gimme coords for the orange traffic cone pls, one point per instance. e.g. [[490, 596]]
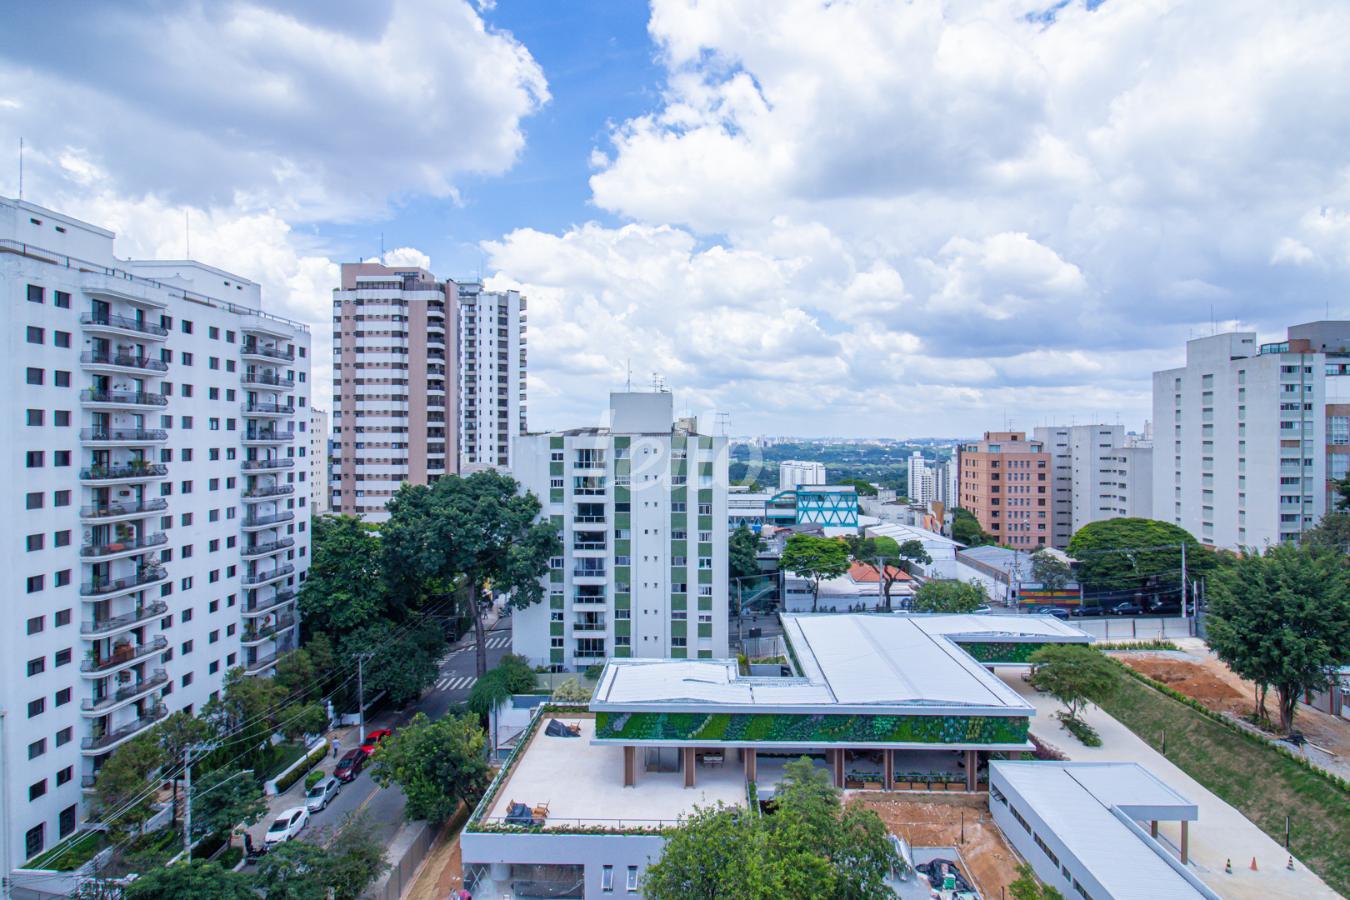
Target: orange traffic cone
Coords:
[[1254, 864], [1228, 866]]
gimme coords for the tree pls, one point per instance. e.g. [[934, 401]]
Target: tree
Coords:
[[222, 798], [812, 846], [1051, 571], [966, 529], [437, 764], [355, 859], [512, 675], [1029, 887], [571, 691], [404, 661], [474, 532], [1136, 555], [292, 871], [741, 553], [122, 782], [299, 870], [936, 596], [887, 559], [1333, 532], [1282, 619], [250, 710], [815, 559], [345, 588], [1074, 674], [864, 488], [198, 879], [177, 733]]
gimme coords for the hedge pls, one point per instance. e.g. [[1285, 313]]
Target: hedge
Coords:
[[811, 729], [313, 758]]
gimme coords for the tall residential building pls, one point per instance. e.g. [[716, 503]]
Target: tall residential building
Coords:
[[1248, 438], [794, 473], [642, 509], [492, 379], [922, 477], [1005, 484], [159, 530], [318, 461], [1128, 471]]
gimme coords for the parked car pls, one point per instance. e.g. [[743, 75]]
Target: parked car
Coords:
[[350, 765], [1057, 612], [287, 826], [1127, 608], [322, 794], [374, 739]]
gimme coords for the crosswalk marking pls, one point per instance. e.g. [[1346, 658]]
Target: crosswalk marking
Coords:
[[456, 683], [495, 642]]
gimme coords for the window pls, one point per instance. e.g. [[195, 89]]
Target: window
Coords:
[[63, 696], [61, 498], [35, 293], [35, 542], [62, 300], [37, 707], [36, 335], [37, 666], [66, 821], [63, 578], [607, 879], [34, 418], [35, 624], [632, 879], [37, 748], [62, 658], [36, 583], [61, 339], [37, 789], [60, 378], [62, 615], [34, 375], [34, 841], [61, 458]]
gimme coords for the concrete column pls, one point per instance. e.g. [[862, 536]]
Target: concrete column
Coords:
[[972, 764], [837, 761], [629, 766], [1153, 828], [688, 754], [749, 756], [1185, 842], [888, 769]]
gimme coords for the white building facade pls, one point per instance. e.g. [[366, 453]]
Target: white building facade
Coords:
[[642, 510], [492, 382], [794, 473], [1240, 456], [160, 523], [318, 461]]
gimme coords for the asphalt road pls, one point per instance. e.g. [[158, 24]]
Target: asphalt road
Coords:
[[383, 808]]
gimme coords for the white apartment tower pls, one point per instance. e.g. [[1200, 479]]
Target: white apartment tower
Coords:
[[1247, 438], [492, 374], [642, 509], [159, 520], [794, 473], [318, 461], [922, 479]]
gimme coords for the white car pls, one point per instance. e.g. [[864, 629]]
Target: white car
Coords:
[[322, 794], [287, 826]]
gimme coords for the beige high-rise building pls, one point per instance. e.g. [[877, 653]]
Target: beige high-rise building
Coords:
[[318, 461], [1005, 482]]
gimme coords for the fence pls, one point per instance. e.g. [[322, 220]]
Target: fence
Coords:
[[404, 869], [1131, 628]]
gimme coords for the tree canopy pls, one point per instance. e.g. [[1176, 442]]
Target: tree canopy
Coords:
[[345, 588], [815, 559], [887, 558], [741, 553], [1136, 555], [1333, 532], [948, 597], [123, 779], [1282, 619], [198, 879], [864, 488], [1074, 675], [437, 764], [224, 797], [1029, 887], [300, 870], [966, 529], [811, 846], [1051, 571]]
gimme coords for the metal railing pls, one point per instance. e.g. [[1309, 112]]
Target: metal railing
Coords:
[[119, 435], [259, 521], [153, 540], [276, 490], [138, 398], [267, 380], [260, 577], [126, 692], [130, 470], [109, 320], [120, 659], [269, 435], [281, 598], [258, 407], [267, 547], [251, 465], [126, 360], [250, 636], [269, 352], [261, 662], [149, 611], [98, 588], [129, 508], [153, 715]]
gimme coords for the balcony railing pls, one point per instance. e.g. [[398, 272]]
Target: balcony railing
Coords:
[[153, 714], [267, 434], [260, 577], [276, 490], [263, 408], [267, 380], [128, 508], [260, 663], [267, 547], [251, 636], [252, 465], [125, 360], [260, 521], [126, 692], [130, 470], [97, 588], [120, 657], [269, 352], [588, 573], [111, 547], [123, 435], [130, 398], [110, 321], [282, 597], [145, 613]]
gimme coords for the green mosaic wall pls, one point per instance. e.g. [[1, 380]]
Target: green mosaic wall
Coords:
[[999, 652], [811, 730]]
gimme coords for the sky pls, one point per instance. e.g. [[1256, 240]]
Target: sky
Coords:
[[849, 218]]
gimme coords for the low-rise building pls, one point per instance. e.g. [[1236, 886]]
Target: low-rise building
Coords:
[[832, 506], [857, 590]]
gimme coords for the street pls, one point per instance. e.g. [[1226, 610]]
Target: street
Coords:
[[384, 808]]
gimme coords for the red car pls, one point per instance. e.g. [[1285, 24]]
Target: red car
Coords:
[[349, 766], [374, 739]]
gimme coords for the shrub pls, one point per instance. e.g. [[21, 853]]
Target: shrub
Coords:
[[571, 691], [1080, 729], [313, 758], [314, 777]]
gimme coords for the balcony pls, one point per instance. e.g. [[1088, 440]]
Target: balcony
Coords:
[[118, 549], [267, 381], [250, 636], [589, 622], [588, 573], [103, 627], [258, 351], [124, 655], [588, 520], [121, 362], [97, 397], [267, 465], [259, 408], [125, 510], [100, 705], [261, 664], [252, 551], [268, 436], [257, 495], [260, 578], [122, 325], [123, 436], [102, 588], [99, 744], [267, 521], [280, 599], [132, 471]]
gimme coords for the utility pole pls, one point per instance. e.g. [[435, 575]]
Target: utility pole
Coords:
[[361, 694], [1183, 579], [187, 801]]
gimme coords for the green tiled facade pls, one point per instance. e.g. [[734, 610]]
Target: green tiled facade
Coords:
[[994, 652], [814, 730]]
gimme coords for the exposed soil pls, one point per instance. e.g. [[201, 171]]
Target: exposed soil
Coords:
[[1192, 679], [935, 821], [442, 872]]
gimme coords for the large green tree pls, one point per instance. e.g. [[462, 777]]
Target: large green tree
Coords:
[[812, 846], [1282, 618], [1029, 887], [741, 553], [511, 675], [403, 662], [223, 798], [480, 534], [196, 879], [942, 596], [1142, 555], [966, 529], [1333, 532], [120, 790], [1074, 675], [1051, 571], [815, 559], [250, 710], [345, 588], [887, 558], [437, 764], [300, 870], [177, 733]]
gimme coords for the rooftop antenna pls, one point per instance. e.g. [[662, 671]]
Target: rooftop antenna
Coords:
[[723, 423], [628, 387]]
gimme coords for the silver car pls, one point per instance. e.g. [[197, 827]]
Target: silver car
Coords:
[[322, 793]]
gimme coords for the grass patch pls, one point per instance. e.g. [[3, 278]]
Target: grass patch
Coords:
[[1254, 777], [274, 760], [71, 853]]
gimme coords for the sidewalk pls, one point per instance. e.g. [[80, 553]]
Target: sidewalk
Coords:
[[1221, 833]]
